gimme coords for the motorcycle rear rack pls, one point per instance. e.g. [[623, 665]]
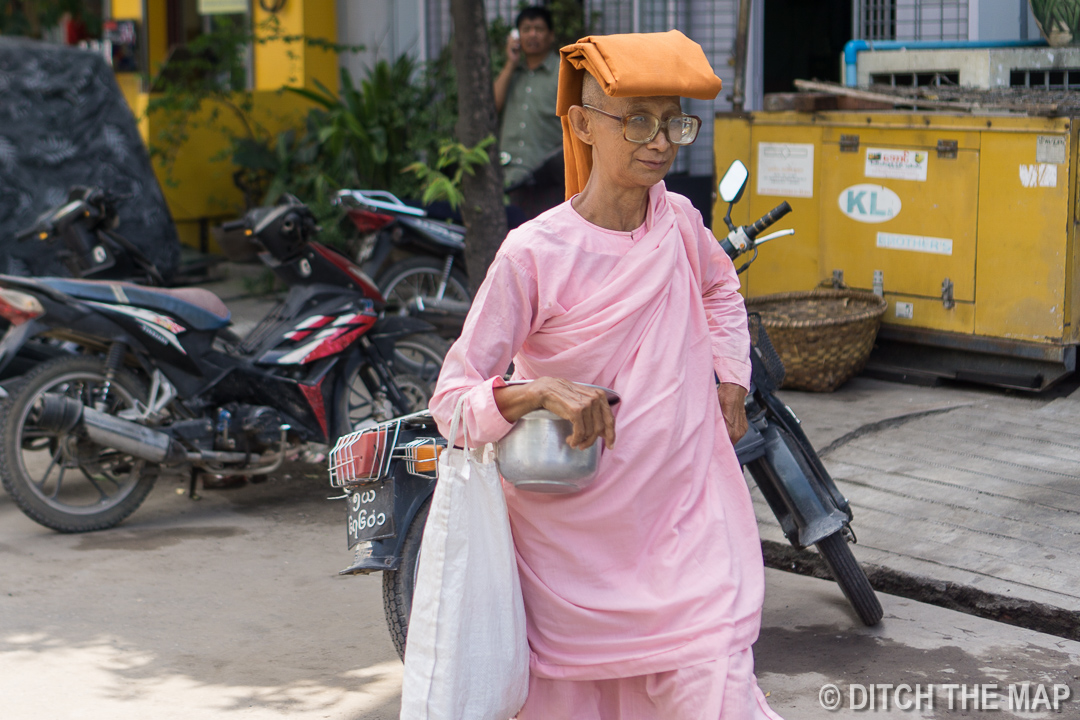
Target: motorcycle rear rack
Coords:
[[366, 456]]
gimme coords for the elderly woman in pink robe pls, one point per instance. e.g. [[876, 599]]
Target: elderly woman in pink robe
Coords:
[[642, 592]]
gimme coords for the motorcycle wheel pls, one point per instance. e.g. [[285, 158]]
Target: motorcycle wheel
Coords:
[[403, 281], [63, 482], [365, 407], [850, 577], [845, 569], [420, 355], [398, 585]]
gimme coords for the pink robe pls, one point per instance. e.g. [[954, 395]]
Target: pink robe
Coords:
[[657, 565]]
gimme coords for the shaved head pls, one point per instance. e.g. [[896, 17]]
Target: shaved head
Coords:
[[591, 92]]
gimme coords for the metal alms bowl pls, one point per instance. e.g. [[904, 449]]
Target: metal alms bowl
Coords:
[[534, 455]]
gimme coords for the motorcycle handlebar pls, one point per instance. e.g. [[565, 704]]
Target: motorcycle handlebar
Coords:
[[233, 225], [27, 234], [752, 231]]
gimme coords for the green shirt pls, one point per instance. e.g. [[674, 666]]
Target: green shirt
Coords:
[[530, 130]]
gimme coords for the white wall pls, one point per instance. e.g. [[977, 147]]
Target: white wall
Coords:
[[386, 28], [1002, 20]]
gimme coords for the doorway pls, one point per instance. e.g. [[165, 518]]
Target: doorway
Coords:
[[803, 40]]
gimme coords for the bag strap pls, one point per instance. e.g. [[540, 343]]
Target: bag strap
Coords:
[[458, 411]]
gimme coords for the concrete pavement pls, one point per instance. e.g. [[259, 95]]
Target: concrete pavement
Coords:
[[231, 607], [810, 640], [966, 497]]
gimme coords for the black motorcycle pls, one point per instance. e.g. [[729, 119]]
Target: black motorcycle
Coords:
[[159, 380], [418, 261], [793, 480], [389, 490], [81, 234]]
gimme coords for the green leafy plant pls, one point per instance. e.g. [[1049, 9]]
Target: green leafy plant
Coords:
[[363, 137], [443, 180], [210, 72]]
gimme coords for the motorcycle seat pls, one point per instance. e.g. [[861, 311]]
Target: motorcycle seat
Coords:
[[199, 308]]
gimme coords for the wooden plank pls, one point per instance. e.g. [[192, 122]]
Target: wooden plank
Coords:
[[894, 100]]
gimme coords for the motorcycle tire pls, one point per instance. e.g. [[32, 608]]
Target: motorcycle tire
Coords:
[[26, 452], [420, 275], [362, 405], [850, 577], [834, 550], [399, 585], [420, 355]]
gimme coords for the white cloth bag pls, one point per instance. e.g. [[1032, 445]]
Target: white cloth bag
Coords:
[[467, 655]]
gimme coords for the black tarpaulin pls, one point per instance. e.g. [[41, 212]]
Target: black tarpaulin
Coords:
[[64, 122]]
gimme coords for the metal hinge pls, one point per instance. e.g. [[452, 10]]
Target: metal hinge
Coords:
[[946, 149], [849, 143], [947, 294], [838, 279], [879, 283]]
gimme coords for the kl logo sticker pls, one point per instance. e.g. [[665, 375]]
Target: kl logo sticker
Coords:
[[869, 203]]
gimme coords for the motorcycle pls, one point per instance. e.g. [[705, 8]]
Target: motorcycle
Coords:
[[159, 380], [89, 246], [388, 473], [418, 262], [800, 492]]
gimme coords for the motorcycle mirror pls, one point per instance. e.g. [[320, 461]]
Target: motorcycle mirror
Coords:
[[734, 182]]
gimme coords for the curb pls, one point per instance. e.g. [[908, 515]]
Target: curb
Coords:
[[1027, 614]]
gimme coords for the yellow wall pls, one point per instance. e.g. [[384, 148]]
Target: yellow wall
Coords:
[[279, 63], [198, 187]]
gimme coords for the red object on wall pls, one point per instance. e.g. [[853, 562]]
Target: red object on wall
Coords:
[[74, 30]]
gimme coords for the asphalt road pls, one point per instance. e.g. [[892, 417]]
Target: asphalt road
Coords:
[[230, 606]]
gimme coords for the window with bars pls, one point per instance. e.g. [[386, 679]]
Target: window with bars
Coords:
[[919, 79], [911, 19], [876, 19], [1054, 79]]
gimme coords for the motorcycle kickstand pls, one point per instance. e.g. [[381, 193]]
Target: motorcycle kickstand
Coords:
[[193, 485]]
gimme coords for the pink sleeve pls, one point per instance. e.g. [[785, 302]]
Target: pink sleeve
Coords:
[[501, 317], [726, 313]]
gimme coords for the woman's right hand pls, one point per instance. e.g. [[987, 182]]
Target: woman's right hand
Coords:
[[586, 407]]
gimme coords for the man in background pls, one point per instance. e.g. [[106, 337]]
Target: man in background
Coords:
[[530, 133]]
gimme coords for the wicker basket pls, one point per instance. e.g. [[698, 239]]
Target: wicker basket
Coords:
[[824, 336]]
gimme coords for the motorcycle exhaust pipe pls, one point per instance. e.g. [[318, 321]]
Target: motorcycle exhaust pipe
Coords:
[[61, 414]]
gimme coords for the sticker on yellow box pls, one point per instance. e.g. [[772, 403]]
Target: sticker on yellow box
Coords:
[[1050, 148], [914, 243], [896, 164], [222, 7], [785, 169], [1040, 175], [869, 203], [905, 310]]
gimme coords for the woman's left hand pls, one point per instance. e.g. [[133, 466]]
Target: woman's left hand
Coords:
[[732, 397]]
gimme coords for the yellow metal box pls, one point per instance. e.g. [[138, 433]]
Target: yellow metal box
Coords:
[[964, 223]]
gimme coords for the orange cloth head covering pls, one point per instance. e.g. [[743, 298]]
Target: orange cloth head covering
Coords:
[[631, 65]]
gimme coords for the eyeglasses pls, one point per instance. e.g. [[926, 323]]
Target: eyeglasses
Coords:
[[641, 128]]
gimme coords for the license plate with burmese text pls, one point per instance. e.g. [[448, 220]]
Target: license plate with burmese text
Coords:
[[370, 513]]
